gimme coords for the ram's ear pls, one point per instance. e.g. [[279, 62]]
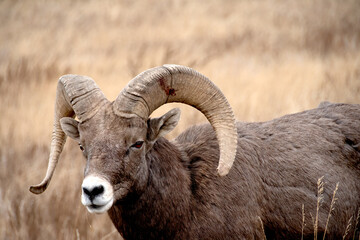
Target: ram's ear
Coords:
[[158, 127], [70, 128]]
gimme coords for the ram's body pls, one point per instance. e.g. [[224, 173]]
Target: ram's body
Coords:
[[276, 170], [156, 189]]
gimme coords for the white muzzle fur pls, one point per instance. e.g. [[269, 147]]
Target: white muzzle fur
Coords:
[[97, 194]]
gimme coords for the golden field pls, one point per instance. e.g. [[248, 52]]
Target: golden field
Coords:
[[269, 58]]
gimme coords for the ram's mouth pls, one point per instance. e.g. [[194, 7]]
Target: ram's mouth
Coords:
[[95, 208]]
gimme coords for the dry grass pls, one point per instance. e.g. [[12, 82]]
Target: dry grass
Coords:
[[269, 58], [332, 208], [348, 227], [320, 200], [356, 224]]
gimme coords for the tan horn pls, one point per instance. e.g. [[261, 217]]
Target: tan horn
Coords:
[[75, 96], [173, 83]]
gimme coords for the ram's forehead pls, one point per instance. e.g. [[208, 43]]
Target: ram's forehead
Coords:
[[111, 133], [108, 127], [134, 122]]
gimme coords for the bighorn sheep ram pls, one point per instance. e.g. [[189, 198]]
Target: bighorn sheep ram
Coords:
[[153, 188]]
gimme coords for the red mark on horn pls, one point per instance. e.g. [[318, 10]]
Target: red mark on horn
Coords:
[[169, 91]]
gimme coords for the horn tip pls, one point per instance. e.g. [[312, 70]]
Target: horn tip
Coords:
[[38, 189], [223, 170]]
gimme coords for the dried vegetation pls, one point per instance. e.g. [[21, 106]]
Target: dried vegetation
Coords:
[[269, 58]]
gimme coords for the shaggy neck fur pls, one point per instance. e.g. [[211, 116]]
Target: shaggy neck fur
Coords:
[[167, 196]]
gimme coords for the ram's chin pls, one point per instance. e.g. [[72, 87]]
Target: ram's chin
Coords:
[[93, 208]]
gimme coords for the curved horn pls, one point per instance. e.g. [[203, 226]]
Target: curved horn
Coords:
[[75, 95], [172, 83]]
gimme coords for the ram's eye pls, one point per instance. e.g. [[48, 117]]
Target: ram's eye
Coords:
[[138, 144], [81, 147]]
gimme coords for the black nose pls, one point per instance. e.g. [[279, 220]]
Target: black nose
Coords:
[[93, 192]]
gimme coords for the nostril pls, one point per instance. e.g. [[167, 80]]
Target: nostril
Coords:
[[92, 193], [98, 190], [86, 191]]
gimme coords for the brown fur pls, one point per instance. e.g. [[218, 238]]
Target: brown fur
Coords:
[[170, 190]]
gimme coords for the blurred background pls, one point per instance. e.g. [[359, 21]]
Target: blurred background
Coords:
[[270, 58]]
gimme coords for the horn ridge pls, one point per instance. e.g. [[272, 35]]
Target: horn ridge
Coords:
[[176, 83], [75, 96]]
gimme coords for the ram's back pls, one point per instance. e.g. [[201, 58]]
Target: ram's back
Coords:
[[277, 168]]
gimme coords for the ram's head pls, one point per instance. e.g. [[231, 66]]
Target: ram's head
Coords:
[[116, 136]]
